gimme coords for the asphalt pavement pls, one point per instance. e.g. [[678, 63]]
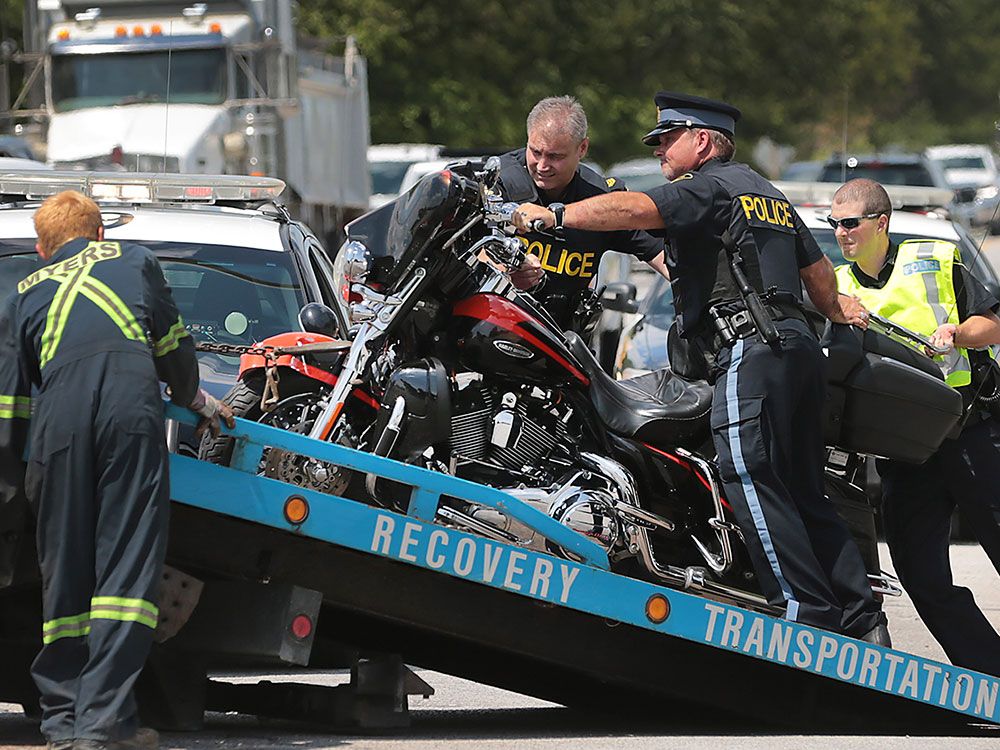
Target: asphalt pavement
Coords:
[[462, 714]]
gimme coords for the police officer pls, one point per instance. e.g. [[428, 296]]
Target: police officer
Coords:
[[93, 330], [923, 285], [548, 171], [766, 415]]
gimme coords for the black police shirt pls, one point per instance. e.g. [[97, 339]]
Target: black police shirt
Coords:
[[571, 262], [698, 207]]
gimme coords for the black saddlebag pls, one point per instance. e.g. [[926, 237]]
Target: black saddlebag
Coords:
[[885, 398]]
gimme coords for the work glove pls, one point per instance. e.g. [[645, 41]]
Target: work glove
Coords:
[[213, 413]]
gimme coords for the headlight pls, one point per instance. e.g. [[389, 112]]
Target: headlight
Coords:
[[350, 267], [988, 192]]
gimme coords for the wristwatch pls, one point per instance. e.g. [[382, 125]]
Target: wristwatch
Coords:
[[558, 211]]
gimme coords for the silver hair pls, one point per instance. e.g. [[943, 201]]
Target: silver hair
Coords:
[[565, 112]]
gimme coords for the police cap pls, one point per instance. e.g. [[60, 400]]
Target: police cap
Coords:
[[688, 111]]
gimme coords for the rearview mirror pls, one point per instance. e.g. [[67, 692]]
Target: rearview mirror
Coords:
[[620, 297]]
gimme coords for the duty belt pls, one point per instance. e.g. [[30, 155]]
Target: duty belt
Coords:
[[731, 321]]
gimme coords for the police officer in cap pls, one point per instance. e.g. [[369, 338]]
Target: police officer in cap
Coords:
[[559, 269], [724, 222]]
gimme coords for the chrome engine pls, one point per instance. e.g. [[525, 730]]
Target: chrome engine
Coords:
[[515, 430]]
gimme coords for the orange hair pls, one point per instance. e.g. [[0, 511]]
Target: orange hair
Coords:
[[63, 217]]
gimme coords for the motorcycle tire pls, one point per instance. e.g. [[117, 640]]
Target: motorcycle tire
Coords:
[[244, 399]]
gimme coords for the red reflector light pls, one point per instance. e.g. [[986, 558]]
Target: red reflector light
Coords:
[[198, 192], [302, 627]]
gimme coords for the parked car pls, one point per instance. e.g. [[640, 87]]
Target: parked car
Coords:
[[240, 269], [801, 171], [643, 344], [388, 163], [975, 165], [638, 174], [904, 169]]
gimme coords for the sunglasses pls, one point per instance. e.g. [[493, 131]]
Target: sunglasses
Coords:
[[849, 222]]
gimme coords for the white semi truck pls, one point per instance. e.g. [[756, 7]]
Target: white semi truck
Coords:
[[221, 86]]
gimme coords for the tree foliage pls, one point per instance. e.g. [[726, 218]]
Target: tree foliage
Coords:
[[881, 72]]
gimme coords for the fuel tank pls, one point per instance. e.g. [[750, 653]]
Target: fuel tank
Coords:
[[494, 335]]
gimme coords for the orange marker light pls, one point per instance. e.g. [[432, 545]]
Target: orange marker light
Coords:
[[63, 35], [121, 31], [657, 608], [215, 28], [138, 31], [156, 29], [296, 509]]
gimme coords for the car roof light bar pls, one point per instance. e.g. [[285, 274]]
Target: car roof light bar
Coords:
[[141, 187]]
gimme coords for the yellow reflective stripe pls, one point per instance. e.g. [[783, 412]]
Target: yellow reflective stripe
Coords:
[[66, 627], [102, 296], [15, 406], [58, 314], [120, 601], [122, 614], [171, 340]]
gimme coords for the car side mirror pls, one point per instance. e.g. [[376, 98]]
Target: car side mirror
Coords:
[[318, 318], [620, 297]]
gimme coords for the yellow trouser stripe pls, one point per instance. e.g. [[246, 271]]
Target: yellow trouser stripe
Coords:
[[73, 626], [124, 610], [15, 406]]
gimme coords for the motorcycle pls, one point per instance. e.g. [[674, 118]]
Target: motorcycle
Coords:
[[452, 368]]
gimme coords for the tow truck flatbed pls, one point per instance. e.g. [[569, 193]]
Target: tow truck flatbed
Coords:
[[572, 632]]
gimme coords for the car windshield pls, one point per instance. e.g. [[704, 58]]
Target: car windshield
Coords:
[[225, 294], [887, 174], [387, 175], [963, 162], [195, 76]]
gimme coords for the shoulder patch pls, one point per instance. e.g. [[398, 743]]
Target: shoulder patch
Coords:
[[611, 181], [685, 176]]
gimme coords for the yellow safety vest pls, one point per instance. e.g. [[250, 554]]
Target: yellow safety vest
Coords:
[[919, 295]]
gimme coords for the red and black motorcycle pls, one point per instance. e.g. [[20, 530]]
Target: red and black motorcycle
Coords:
[[452, 368]]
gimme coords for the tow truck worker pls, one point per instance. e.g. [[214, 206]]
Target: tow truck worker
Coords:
[[766, 414], [923, 285], [92, 332], [548, 171]]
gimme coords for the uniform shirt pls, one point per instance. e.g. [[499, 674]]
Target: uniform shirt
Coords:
[[88, 297], [571, 263], [698, 207]]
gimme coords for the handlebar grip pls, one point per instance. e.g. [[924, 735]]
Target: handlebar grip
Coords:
[[537, 225]]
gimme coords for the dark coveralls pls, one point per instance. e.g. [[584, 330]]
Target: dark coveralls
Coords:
[[766, 413], [918, 501], [93, 330], [572, 261]]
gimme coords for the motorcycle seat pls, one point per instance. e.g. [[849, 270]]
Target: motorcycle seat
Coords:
[[659, 408]]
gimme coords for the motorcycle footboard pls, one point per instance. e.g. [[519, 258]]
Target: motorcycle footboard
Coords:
[[568, 631]]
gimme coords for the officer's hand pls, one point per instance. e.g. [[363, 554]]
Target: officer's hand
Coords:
[[213, 413], [853, 312], [529, 274], [943, 337], [528, 217]]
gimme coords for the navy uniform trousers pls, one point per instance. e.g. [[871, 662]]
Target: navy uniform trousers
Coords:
[[767, 428], [98, 476], [917, 503]]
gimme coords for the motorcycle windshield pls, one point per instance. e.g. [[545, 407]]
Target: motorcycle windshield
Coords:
[[401, 233]]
